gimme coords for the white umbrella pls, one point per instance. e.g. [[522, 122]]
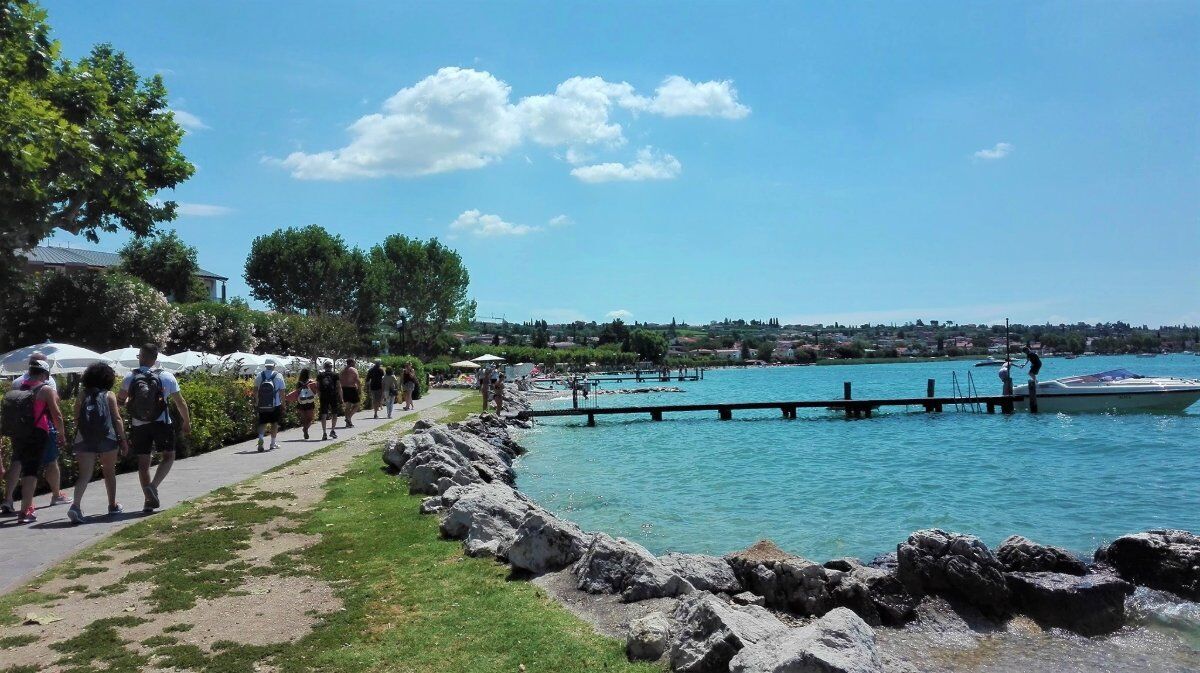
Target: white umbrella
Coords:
[[128, 357], [240, 363], [191, 360], [488, 358], [465, 364], [62, 358]]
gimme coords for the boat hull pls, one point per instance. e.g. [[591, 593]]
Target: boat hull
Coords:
[[1081, 402]]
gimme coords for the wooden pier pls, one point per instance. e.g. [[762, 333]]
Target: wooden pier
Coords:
[[647, 376], [853, 408]]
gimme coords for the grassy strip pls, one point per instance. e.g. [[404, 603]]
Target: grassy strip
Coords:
[[411, 601]]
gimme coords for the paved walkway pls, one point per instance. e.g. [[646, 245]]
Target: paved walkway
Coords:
[[27, 550]]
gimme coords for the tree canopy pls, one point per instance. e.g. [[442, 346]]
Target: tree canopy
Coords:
[[425, 278], [85, 146], [648, 345], [300, 270], [167, 264]]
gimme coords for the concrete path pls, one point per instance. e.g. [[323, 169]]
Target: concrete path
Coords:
[[28, 549]]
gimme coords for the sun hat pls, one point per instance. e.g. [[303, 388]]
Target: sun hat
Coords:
[[38, 364]]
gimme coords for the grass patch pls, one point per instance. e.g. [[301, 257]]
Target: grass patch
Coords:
[[179, 628], [29, 668], [100, 648], [18, 641], [160, 640]]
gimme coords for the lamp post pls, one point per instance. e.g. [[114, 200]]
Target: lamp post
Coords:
[[403, 314]]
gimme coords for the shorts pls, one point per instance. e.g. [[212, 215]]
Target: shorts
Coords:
[[31, 453], [270, 416], [51, 454], [377, 397], [409, 386], [350, 395], [144, 440], [103, 446], [329, 408], [306, 406]]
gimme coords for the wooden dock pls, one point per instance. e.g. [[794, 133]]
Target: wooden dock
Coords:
[[860, 408]]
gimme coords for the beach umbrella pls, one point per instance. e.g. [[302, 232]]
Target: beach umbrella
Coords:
[[193, 360], [465, 364], [239, 363], [128, 357], [62, 358], [488, 358]]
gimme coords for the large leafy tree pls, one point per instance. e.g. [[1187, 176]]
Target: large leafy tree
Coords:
[[84, 146], [167, 263], [648, 345], [300, 270], [425, 278]]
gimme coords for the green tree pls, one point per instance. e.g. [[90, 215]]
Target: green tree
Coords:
[[745, 351], [614, 332], [167, 264], [300, 270], [766, 350], [541, 334], [648, 345], [85, 146], [425, 278]]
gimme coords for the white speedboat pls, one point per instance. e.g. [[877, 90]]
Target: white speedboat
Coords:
[[1116, 390]]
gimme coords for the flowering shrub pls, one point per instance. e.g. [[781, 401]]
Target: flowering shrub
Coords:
[[213, 327]]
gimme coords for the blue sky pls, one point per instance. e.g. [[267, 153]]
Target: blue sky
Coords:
[[871, 162]]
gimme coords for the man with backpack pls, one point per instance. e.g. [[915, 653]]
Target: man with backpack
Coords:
[[330, 393], [26, 415], [49, 460], [375, 385], [146, 392], [269, 385]]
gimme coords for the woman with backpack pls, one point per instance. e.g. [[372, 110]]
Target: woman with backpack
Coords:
[[305, 397], [28, 413], [99, 433]]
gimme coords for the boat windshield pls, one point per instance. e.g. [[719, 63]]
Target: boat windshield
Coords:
[[1109, 376]]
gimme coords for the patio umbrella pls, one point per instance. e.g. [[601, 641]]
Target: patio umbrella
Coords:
[[62, 358], [488, 358], [465, 364], [128, 357], [239, 363], [192, 360]]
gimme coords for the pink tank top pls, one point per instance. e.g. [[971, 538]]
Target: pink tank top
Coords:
[[39, 408]]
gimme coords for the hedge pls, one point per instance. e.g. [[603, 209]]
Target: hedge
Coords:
[[396, 362], [222, 409]]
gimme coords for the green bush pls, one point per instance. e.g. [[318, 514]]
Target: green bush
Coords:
[[396, 362]]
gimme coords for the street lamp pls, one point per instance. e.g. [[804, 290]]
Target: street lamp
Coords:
[[403, 314]]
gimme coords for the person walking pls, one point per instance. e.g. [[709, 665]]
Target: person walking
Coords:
[[330, 393], [498, 393], [147, 392], [390, 389], [269, 386], [485, 385], [375, 386], [51, 472], [305, 397], [351, 391], [408, 383], [28, 412], [99, 434]]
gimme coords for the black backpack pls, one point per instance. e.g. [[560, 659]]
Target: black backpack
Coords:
[[93, 423], [266, 392], [327, 384], [146, 401], [16, 414]]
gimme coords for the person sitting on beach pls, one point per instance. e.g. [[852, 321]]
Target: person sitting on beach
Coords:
[[51, 471], [351, 391], [99, 434]]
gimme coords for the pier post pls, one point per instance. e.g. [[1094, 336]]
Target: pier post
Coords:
[[656, 415], [991, 408], [591, 420], [846, 396], [725, 413], [575, 393], [1033, 409], [929, 383]]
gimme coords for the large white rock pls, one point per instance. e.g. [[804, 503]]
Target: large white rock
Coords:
[[486, 518], [839, 642], [648, 637], [706, 573], [706, 632], [544, 543], [618, 566]]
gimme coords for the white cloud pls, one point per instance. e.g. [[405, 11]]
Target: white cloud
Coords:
[[459, 118], [1000, 151], [561, 221], [201, 210], [477, 223], [452, 120], [678, 97], [650, 165], [188, 121], [619, 314]]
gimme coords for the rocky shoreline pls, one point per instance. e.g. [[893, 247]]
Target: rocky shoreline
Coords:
[[765, 610]]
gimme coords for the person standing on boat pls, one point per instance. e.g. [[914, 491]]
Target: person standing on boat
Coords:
[[1034, 362]]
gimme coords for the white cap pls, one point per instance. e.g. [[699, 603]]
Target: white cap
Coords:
[[269, 363], [39, 364]]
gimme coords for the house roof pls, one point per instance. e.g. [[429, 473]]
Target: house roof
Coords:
[[56, 256]]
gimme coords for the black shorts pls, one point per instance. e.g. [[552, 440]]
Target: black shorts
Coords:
[[31, 453], [270, 416], [350, 395], [329, 408], [144, 440]]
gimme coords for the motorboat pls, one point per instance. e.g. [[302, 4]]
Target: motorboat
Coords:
[[1115, 390], [990, 362]]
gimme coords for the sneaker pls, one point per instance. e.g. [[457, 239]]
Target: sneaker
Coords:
[[306, 434], [274, 447], [7, 508], [28, 516], [260, 446], [151, 496], [61, 499], [75, 514], [115, 509], [324, 436], [333, 434]]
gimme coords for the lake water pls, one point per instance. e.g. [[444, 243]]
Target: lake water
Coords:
[[822, 487]]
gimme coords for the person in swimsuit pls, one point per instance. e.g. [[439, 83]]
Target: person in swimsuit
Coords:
[[1034, 361], [351, 391], [305, 397]]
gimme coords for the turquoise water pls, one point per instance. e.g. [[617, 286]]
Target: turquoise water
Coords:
[[822, 486]]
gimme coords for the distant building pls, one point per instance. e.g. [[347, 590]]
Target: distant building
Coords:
[[54, 258]]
